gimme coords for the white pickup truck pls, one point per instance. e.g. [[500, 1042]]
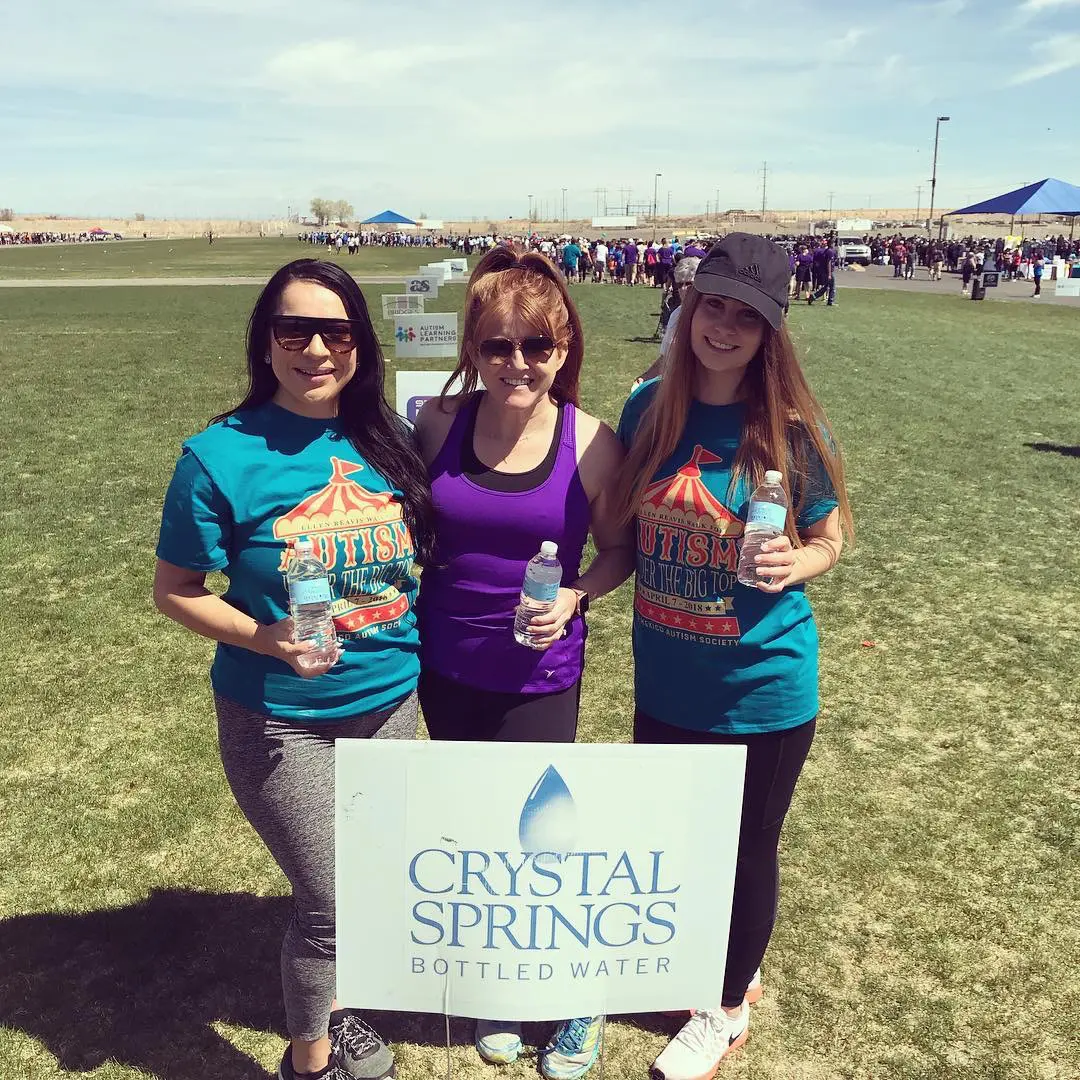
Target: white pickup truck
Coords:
[[852, 250]]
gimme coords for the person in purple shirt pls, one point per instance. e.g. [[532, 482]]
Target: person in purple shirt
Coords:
[[513, 462], [693, 250], [665, 260], [630, 258], [824, 267]]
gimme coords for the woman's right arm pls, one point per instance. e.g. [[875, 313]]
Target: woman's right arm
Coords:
[[182, 595]]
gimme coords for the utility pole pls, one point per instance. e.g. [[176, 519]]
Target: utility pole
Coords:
[[669, 204], [564, 206], [598, 192], [918, 201], [656, 179], [933, 178], [624, 199], [832, 195], [530, 208], [764, 185]]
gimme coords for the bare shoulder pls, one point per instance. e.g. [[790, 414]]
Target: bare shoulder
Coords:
[[433, 423], [599, 453]]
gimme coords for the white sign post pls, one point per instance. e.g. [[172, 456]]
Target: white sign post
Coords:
[[413, 388], [407, 304], [533, 881], [426, 335]]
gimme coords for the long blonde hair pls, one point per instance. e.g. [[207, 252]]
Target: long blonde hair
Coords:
[[782, 419]]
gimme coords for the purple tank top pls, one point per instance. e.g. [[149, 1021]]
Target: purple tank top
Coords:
[[485, 539]]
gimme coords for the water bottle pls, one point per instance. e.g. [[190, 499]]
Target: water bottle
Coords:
[[764, 520], [309, 604], [543, 576]]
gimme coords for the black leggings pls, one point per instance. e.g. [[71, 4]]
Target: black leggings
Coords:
[[454, 711], [773, 763]]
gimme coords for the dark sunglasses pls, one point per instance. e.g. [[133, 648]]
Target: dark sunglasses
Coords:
[[539, 347], [294, 332]]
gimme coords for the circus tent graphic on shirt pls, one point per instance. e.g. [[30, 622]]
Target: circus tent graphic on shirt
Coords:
[[356, 533], [688, 542]]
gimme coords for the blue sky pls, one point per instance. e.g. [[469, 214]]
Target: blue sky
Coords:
[[455, 108]]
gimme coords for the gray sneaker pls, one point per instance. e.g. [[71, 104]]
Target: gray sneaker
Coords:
[[357, 1049], [333, 1070]]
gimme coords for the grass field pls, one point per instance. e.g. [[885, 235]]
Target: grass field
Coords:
[[183, 258], [930, 920]]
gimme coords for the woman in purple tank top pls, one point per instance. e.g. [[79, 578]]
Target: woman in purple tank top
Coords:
[[511, 465]]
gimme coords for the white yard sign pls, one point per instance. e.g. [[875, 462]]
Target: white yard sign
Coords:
[[406, 304], [426, 335], [423, 285], [534, 881], [413, 388]]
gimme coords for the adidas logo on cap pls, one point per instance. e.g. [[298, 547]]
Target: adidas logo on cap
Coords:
[[751, 271]]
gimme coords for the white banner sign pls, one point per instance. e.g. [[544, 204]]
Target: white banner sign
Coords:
[[534, 881], [413, 388], [426, 335], [423, 285], [408, 304], [458, 267], [1067, 287], [437, 270]]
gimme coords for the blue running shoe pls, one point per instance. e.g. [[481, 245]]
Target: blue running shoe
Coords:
[[573, 1048]]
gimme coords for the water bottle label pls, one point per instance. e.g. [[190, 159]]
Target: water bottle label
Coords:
[[314, 591], [767, 513], [539, 591]]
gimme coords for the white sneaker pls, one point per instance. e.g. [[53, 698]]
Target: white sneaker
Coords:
[[498, 1041], [706, 1038], [755, 989]]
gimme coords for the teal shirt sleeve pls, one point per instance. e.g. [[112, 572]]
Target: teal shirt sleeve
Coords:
[[196, 522], [820, 495]]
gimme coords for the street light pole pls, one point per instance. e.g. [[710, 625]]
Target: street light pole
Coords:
[[655, 183], [530, 209], [933, 177]]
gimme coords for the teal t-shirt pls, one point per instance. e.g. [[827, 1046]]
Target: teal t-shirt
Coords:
[[246, 487], [711, 654]]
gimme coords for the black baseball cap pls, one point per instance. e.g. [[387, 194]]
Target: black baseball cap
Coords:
[[748, 268]]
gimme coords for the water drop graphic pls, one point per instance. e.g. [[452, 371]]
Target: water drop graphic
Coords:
[[548, 823]]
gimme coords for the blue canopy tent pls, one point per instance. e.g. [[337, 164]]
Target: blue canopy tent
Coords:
[[388, 217], [1044, 197]]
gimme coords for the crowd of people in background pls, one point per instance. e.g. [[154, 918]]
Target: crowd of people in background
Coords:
[[25, 237]]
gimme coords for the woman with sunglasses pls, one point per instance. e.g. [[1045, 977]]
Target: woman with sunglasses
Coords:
[[511, 465], [313, 451]]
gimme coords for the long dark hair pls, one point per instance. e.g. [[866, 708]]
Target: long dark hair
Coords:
[[365, 415]]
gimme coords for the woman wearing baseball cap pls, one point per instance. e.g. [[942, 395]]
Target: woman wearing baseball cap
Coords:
[[717, 661]]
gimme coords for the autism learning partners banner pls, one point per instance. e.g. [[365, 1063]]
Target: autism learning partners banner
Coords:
[[536, 881], [425, 335]]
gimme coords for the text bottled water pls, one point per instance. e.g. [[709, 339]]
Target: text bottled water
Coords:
[[309, 604], [543, 576], [765, 519]]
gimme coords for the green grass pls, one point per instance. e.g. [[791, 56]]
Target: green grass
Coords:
[[195, 258], [929, 915]]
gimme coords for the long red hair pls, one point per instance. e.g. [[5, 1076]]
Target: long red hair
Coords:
[[782, 420], [507, 283]]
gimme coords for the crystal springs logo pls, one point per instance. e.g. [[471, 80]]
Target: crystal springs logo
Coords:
[[515, 914]]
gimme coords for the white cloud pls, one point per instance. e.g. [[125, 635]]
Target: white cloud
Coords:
[[1057, 54], [1046, 5]]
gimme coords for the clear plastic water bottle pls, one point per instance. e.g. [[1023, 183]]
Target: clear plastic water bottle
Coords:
[[543, 576], [309, 604], [764, 520]]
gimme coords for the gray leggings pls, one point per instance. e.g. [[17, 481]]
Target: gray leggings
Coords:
[[282, 774]]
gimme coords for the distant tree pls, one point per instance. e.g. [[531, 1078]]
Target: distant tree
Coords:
[[7, 214], [321, 210], [342, 210], [140, 217]]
